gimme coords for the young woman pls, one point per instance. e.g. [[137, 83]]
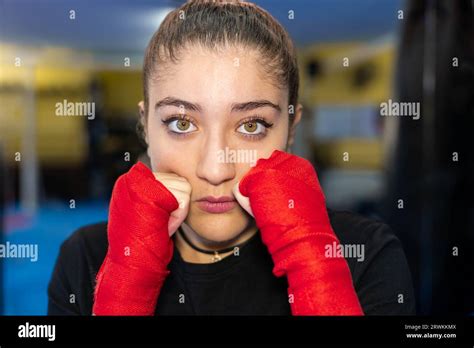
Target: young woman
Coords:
[[200, 231]]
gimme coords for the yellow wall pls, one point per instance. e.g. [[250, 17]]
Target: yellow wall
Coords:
[[122, 91], [59, 140], [335, 85]]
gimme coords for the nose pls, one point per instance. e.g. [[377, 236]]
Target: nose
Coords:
[[214, 166]]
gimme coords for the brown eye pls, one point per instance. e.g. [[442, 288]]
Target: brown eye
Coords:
[[183, 125], [180, 126], [251, 126]]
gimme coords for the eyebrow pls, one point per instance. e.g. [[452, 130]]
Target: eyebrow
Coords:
[[252, 105], [170, 101], [236, 107]]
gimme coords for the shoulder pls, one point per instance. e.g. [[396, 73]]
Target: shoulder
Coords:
[[378, 265], [70, 290], [90, 240], [87, 247], [357, 230], [350, 226]]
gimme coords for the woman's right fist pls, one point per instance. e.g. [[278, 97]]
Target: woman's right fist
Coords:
[[181, 190], [140, 248]]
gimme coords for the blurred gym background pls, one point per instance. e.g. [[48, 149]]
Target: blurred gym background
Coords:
[[56, 173]]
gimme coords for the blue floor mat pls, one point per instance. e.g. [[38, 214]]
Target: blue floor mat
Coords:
[[25, 282]]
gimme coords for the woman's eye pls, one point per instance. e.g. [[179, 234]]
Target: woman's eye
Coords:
[[181, 126], [251, 127]]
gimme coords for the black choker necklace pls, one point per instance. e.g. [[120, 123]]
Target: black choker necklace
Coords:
[[215, 253]]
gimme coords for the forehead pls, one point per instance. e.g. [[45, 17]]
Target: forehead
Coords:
[[222, 75]]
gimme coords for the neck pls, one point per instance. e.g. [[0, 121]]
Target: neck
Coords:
[[191, 255]]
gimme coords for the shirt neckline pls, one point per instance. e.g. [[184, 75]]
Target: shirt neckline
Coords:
[[227, 264]]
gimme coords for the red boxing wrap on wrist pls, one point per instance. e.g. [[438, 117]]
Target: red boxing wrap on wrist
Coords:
[[289, 208], [135, 267]]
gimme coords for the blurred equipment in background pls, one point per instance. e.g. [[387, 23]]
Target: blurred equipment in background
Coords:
[[343, 84], [432, 168]]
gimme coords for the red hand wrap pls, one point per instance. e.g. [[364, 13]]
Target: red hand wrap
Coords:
[[135, 267], [289, 208]]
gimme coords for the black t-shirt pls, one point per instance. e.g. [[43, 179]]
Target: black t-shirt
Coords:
[[243, 284]]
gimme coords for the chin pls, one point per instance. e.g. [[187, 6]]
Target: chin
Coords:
[[218, 228]]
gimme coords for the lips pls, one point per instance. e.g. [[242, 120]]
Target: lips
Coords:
[[216, 205]]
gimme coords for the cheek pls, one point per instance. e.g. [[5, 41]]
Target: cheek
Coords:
[[166, 156]]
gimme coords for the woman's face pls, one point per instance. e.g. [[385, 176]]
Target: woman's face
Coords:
[[210, 117]]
